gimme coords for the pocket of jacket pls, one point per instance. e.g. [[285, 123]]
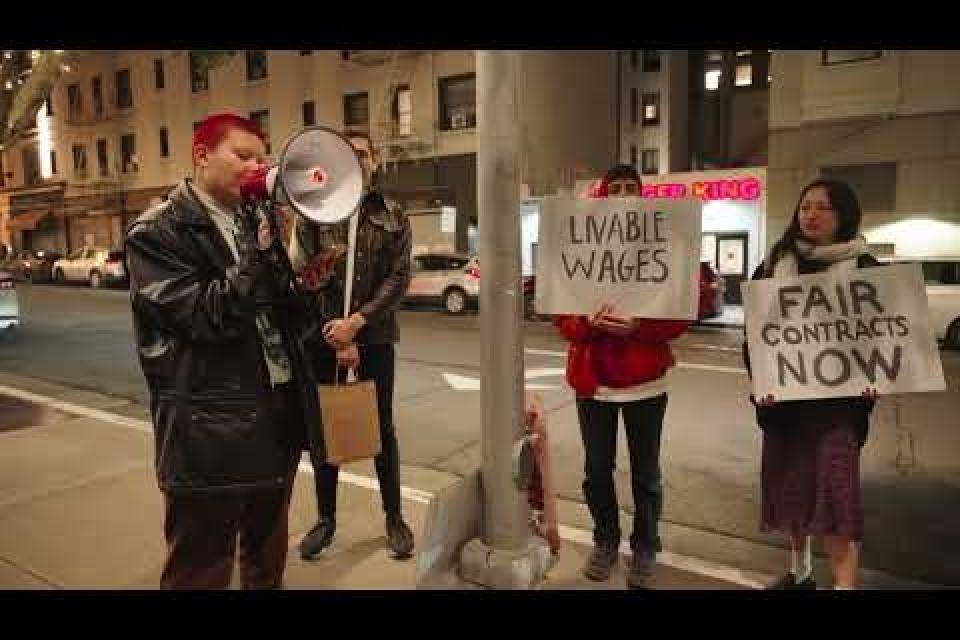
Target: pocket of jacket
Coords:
[[220, 442]]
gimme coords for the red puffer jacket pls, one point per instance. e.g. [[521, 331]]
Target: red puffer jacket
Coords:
[[596, 358]]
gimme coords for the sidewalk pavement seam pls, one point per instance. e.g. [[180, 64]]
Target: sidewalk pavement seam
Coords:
[[30, 572], [27, 496]]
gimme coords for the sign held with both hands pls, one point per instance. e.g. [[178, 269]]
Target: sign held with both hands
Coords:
[[641, 256], [836, 334]]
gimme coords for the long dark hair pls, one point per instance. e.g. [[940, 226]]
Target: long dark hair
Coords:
[[845, 206]]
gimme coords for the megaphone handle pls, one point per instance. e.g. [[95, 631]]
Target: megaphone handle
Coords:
[[348, 285]]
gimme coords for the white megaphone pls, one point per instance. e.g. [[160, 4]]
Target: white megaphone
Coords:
[[318, 175]]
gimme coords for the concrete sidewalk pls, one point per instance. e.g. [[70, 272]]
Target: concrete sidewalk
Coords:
[[79, 507]]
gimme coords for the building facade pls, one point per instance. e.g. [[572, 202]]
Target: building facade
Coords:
[[117, 131], [888, 123]]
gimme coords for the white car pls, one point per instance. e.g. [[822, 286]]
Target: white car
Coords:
[[449, 278], [942, 276], [94, 265], [9, 306]]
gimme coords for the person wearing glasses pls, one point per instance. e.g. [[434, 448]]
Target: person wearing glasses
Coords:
[[620, 365], [364, 339]]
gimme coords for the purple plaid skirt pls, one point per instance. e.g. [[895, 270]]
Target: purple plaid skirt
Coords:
[[811, 480]]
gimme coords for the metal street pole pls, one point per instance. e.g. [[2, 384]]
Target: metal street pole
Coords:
[[507, 555]]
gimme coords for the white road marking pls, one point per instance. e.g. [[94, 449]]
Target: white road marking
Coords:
[[466, 383], [711, 367], [546, 352]]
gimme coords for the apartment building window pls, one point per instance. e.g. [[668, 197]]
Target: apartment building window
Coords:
[[124, 90], [309, 113], [73, 101], [458, 101], [744, 77], [31, 165], [713, 70], [651, 60], [403, 110], [164, 143], [97, 97], [256, 65], [633, 156], [356, 111], [262, 120], [128, 151], [79, 160], [634, 105], [158, 79], [651, 109], [53, 162], [831, 57], [650, 162], [874, 184], [634, 59], [102, 162], [199, 74]]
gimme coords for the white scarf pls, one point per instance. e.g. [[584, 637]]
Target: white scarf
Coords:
[[841, 256]]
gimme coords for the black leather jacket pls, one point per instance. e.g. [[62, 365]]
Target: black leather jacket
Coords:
[[194, 310], [381, 269]]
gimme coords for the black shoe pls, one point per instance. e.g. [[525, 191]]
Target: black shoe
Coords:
[[641, 570], [399, 536], [601, 562], [789, 581], [318, 539]]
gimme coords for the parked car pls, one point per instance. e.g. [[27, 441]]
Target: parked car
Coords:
[[712, 288], [94, 265], [942, 277], [33, 265], [451, 279], [9, 306]]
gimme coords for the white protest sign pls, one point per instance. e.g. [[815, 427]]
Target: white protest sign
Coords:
[[833, 334], [640, 255]]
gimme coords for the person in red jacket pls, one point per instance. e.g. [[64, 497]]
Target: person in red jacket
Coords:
[[616, 365]]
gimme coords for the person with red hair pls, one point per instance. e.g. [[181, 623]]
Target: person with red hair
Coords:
[[620, 365], [230, 388]]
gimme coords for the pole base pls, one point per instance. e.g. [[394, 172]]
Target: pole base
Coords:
[[500, 569]]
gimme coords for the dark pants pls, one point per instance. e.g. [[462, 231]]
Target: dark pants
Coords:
[[643, 420], [377, 363], [203, 529]]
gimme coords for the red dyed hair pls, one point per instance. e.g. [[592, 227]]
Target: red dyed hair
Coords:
[[212, 129]]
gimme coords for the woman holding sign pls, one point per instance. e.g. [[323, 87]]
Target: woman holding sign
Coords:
[[619, 364], [810, 478]]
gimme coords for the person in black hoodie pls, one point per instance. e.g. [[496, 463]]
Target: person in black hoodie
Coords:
[[810, 477]]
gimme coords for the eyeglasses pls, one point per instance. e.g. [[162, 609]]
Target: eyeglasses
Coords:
[[616, 188]]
